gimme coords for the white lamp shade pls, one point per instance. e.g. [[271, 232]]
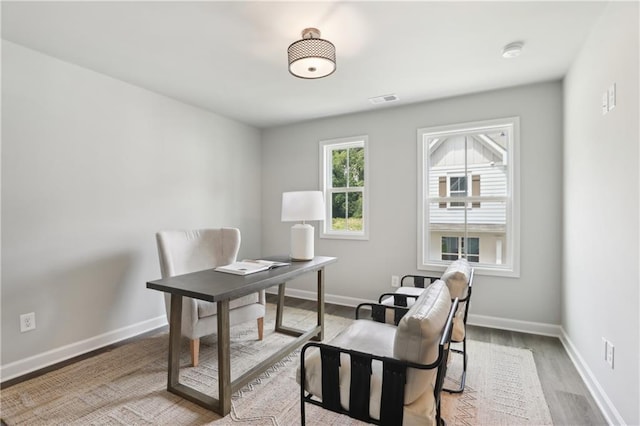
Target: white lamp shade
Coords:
[[302, 206]]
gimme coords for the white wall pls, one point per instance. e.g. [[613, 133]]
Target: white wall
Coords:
[[601, 218], [91, 168], [290, 162]]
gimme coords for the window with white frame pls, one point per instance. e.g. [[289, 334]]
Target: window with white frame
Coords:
[[469, 196], [344, 178]]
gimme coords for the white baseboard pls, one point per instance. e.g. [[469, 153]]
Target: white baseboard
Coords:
[[480, 320], [37, 362], [607, 408], [328, 298], [540, 328]]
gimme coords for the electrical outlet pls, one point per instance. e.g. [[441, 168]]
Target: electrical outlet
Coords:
[[27, 322], [395, 281], [610, 353]]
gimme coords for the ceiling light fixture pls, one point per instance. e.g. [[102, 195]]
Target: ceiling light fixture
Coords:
[[312, 57], [512, 50]]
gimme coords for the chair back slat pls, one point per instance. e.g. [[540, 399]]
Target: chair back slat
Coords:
[[360, 380], [330, 378], [394, 377]]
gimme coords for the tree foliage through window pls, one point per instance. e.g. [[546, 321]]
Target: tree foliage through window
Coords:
[[344, 182], [347, 173]]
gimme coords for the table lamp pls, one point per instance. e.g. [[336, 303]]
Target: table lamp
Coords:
[[302, 206]]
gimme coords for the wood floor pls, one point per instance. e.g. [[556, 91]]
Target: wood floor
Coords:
[[569, 400]]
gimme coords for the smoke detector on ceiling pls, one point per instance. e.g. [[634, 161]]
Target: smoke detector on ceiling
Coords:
[[512, 50], [384, 99]]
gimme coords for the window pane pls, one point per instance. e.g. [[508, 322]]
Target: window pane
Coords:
[[354, 211], [339, 168], [473, 246], [346, 211], [356, 167], [458, 184], [457, 188], [339, 211], [450, 245]]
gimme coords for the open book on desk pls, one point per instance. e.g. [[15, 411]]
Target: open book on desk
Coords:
[[250, 266]]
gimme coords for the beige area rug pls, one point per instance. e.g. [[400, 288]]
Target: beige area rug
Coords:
[[127, 386], [502, 388]]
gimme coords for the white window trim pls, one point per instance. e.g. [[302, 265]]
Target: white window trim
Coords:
[[513, 208], [325, 173]]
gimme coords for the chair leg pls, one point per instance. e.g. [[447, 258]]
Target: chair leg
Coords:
[[195, 351], [463, 377], [260, 328]]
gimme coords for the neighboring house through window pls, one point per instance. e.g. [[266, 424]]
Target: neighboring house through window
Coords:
[[344, 177], [469, 206]]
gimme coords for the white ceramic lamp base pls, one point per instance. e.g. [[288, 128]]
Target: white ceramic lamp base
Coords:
[[301, 242]]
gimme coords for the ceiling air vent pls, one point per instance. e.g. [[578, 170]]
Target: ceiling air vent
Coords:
[[384, 99]]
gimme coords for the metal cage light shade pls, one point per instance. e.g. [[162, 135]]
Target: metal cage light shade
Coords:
[[312, 57]]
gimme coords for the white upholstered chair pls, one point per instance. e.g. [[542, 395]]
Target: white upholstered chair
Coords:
[[381, 373], [182, 252], [459, 279]]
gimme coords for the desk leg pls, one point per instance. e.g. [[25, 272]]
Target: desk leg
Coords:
[[320, 306], [280, 306], [175, 333], [224, 358]]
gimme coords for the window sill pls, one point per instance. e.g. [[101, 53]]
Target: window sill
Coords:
[[340, 236], [477, 270]]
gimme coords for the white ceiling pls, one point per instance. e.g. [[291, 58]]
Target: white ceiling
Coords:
[[231, 57]]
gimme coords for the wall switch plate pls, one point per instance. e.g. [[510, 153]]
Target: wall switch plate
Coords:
[[605, 103], [395, 281], [27, 322], [611, 97], [610, 354]]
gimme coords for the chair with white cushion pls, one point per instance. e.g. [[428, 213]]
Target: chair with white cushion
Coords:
[[182, 252], [382, 373], [459, 279]]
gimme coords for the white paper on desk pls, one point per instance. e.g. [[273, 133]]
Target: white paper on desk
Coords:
[[249, 266]]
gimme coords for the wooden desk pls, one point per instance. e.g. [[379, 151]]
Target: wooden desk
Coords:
[[220, 288]]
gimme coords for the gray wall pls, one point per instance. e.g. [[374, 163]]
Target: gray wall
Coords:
[[290, 162], [601, 220], [91, 169]]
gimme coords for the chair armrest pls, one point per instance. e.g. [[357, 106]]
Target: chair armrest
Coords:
[[418, 280], [470, 287], [398, 298], [379, 312]]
